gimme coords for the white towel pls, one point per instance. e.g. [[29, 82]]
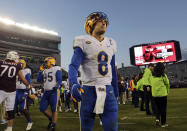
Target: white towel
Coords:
[[100, 101]]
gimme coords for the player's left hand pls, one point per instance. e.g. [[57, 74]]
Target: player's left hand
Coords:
[[76, 92]]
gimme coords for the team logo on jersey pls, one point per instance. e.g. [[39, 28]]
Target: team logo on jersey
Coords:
[[88, 42]]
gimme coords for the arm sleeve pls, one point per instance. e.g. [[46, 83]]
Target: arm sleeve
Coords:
[[74, 66], [134, 86], [40, 77], [114, 82], [146, 77], [138, 85], [59, 78], [28, 78], [167, 83], [114, 46]]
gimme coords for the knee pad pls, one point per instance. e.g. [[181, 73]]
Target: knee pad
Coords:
[[10, 115]]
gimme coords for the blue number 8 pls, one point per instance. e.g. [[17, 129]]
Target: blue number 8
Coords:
[[102, 59]]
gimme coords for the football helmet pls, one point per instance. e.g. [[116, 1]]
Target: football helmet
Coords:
[[49, 62], [23, 63], [12, 55], [32, 96], [92, 19]]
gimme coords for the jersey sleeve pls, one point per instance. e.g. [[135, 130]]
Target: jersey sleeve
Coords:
[[78, 42], [28, 71], [114, 46], [58, 68]]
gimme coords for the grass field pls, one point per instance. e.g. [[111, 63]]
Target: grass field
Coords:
[[130, 119]]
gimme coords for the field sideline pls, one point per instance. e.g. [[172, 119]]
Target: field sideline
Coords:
[[130, 119]]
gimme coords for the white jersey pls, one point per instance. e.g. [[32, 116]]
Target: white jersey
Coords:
[[19, 83], [32, 91], [79, 81], [96, 68], [66, 85], [49, 76]]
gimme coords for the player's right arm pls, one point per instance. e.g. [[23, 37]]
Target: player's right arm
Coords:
[[74, 66], [73, 71]]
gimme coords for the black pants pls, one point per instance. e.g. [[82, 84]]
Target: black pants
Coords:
[[136, 98], [75, 105], [160, 108], [133, 96], [143, 100], [148, 99], [62, 97], [147, 96]]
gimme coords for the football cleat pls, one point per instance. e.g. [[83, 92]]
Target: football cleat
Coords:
[[49, 125], [157, 122], [165, 125], [29, 126], [8, 129], [3, 122]]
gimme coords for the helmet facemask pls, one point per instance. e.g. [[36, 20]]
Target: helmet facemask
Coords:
[[49, 62]]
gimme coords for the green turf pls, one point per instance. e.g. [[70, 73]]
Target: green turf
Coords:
[[130, 119]]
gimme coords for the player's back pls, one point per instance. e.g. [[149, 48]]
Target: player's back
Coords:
[[8, 73]]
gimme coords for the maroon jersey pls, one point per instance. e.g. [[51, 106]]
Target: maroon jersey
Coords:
[[8, 73]]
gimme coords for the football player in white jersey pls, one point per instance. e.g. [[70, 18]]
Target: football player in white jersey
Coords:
[[22, 94], [51, 76], [67, 95], [96, 56]]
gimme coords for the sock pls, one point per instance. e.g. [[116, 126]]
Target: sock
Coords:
[[53, 124], [50, 119], [29, 120], [27, 115], [9, 127]]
